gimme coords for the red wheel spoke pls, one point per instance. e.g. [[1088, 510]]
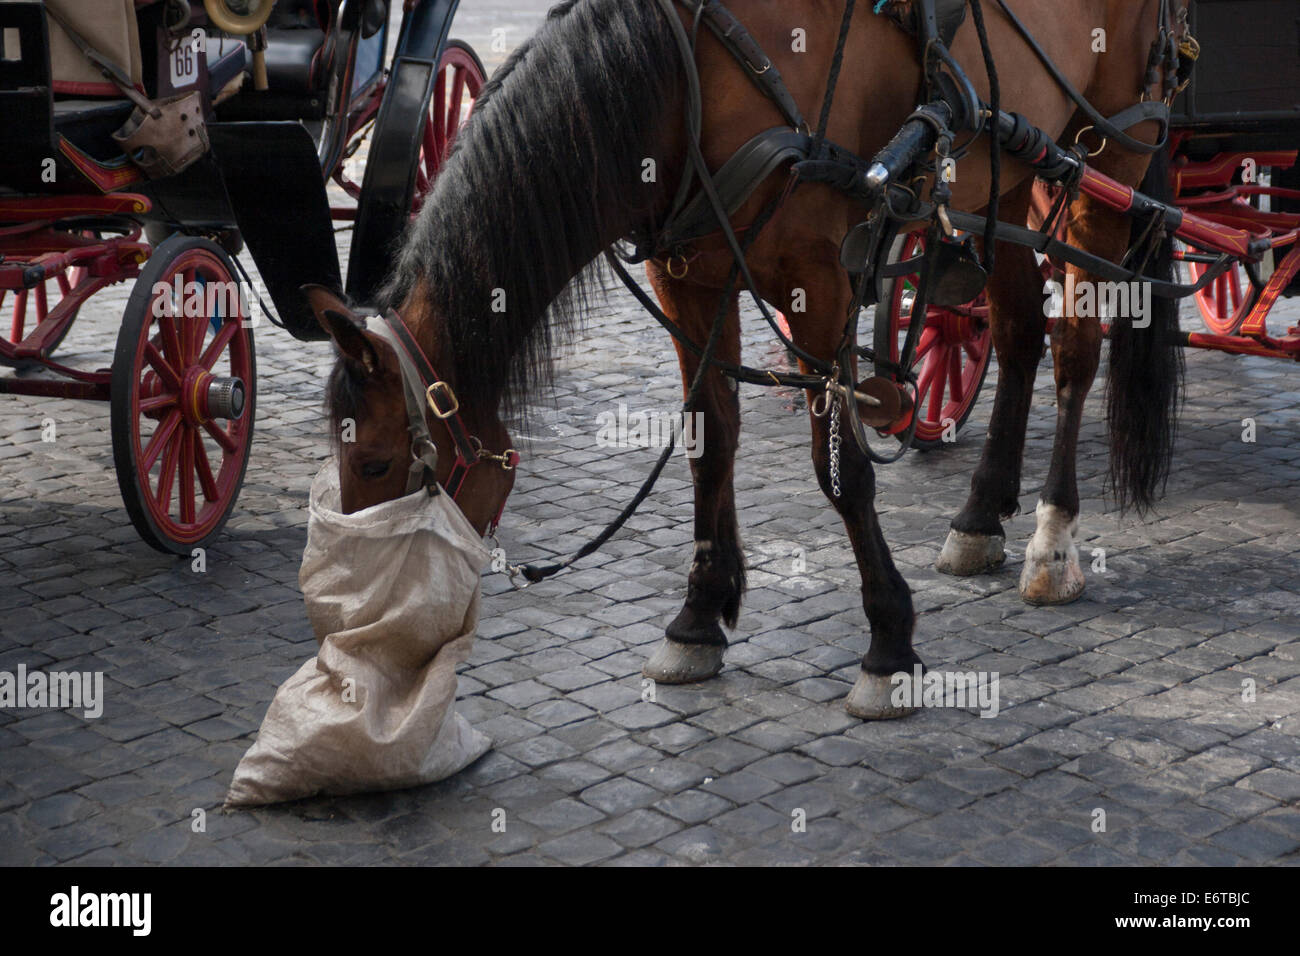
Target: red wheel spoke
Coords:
[[188, 438], [928, 340], [204, 469], [936, 391], [954, 375], [158, 440], [438, 122], [455, 104], [218, 344], [156, 404], [222, 437], [171, 344], [167, 474], [928, 372], [199, 328], [160, 365]]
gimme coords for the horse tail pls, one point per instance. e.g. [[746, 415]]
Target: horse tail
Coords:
[[1144, 385]]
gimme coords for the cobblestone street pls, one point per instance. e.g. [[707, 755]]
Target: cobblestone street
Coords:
[[1129, 701]]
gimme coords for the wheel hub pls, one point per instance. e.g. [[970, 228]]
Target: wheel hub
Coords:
[[208, 397]]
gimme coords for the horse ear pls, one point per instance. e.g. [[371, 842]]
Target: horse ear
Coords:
[[341, 325]]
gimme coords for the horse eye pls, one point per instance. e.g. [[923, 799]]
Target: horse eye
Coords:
[[375, 469]]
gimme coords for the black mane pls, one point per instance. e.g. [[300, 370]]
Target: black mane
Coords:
[[545, 176]]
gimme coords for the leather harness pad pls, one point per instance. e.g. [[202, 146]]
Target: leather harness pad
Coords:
[[908, 14]]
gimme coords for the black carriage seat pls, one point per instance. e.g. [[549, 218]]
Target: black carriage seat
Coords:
[[295, 38], [300, 40]]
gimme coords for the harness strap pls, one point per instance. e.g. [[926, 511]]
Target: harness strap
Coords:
[[1114, 128], [759, 67], [737, 180], [1049, 245], [424, 455], [424, 393]]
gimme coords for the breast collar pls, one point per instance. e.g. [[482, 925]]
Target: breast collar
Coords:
[[426, 393]]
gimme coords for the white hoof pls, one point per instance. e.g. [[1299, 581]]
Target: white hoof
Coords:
[[674, 663], [872, 699], [1052, 574], [965, 554]]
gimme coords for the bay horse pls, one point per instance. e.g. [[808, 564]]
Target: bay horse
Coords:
[[551, 170]]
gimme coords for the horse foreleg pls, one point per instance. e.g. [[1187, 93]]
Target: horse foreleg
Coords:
[[975, 543], [886, 597], [694, 644]]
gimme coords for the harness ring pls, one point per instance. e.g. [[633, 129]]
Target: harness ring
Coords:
[[1078, 141]]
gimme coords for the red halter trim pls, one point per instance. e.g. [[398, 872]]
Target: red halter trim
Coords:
[[445, 406]]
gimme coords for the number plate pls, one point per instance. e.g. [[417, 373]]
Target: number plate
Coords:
[[184, 63]]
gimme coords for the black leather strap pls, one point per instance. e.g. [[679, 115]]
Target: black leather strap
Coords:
[[758, 66], [1113, 128], [736, 181], [929, 18]]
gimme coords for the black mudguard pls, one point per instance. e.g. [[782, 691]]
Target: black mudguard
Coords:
[[273, 178]]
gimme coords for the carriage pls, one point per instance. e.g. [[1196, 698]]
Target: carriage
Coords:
[[1234, 147], [153, 141]]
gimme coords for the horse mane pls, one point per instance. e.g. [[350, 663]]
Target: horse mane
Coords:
[[546, 175]]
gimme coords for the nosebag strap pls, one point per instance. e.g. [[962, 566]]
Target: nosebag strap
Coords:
[[424, 454], [425, 392]]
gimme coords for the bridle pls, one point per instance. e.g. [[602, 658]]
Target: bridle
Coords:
[[425, 393]]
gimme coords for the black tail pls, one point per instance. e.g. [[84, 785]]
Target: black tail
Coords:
[[1144, 387]]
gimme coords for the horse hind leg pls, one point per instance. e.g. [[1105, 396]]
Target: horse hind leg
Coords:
[[975, 543], [694, 643], [1052, 573]]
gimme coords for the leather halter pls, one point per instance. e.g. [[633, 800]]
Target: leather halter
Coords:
[[422, 388]]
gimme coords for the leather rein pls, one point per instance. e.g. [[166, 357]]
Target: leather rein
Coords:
[[427, 394]]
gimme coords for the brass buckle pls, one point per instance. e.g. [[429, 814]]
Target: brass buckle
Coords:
[[438, 412]]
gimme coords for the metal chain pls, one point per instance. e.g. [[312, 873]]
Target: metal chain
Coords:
[[835, 446]]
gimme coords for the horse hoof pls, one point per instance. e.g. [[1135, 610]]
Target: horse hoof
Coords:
[[1050, 583], [675, 663], [966, 554], [1052, 574], [872, 699]]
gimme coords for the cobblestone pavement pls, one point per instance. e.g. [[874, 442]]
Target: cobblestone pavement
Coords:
[[1129, 701]]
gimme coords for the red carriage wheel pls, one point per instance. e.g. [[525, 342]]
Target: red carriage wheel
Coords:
[[1226, 301], [460, 79], [952, 353], [183, 395]]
